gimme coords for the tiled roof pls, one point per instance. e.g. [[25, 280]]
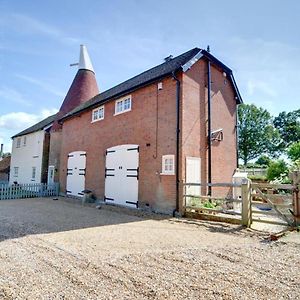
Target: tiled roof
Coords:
[[5, 164], [159, 71], [38, 126]]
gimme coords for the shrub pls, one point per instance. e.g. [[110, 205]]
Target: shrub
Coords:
[[277, 169], [293, 151]]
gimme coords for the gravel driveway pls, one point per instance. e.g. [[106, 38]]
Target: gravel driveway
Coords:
[[60, 250]]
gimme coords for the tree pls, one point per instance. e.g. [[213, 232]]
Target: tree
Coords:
[[263, 160], [257, 134], [293, 151], [277, 169], [288, 125]]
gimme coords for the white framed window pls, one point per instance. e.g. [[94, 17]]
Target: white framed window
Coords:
[[98, 114], [33, 173], [123, 105], [24, 140], [16, 171], [18, 142], [168, 164]]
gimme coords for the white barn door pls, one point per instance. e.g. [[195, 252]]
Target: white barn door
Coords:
[[193, 175], [122, 175], [76, 173]]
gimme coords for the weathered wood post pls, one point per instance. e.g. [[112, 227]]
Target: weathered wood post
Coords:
[[246, 203], [296, 198]]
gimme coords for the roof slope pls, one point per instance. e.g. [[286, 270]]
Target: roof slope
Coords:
[[5, 164], [160, 71], [38, 126]]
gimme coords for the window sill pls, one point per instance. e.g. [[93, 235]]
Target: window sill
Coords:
[[122, 112], [94, 121], [167, 173]]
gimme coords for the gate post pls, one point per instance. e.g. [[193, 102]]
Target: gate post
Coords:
[[296, 197], [246, 203]]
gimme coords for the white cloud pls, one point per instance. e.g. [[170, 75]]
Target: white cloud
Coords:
[[13, 95], [22, 120], [14, 122], [41, 83], [25, 24]]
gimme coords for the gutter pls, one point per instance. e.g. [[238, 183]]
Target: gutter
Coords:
[[177, 139], [209, 124]]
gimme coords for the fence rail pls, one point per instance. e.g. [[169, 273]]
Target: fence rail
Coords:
[[30, 190], [277, 204]]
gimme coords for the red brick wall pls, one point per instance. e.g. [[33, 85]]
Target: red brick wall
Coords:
[[194, 123], [135, 127]]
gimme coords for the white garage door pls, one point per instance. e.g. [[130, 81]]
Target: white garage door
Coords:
[[193, 175], [76, 173], [122, 175]]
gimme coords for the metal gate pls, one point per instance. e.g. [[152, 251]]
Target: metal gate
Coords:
[[76, 173], [122, 175]]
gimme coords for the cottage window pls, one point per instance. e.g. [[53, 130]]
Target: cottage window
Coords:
[[168, 165], [123, 105], [33, 173], [18, 142], [98, 114], [24, 141], [16, 171]]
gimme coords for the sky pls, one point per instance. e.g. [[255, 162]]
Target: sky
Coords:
[[258, 40]]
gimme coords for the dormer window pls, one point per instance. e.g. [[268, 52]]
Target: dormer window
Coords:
[[123, 105], [98, 114]]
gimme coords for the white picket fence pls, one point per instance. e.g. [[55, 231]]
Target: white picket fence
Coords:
[[30, 190]]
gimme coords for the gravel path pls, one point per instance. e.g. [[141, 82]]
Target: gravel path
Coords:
[[59, 250]]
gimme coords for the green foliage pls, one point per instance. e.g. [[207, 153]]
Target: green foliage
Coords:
[[293, 151], [263, 160], [257, 133], [277, 169], [259, 178], [288, 125]]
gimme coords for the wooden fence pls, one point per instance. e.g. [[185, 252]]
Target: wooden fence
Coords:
[[212, 207], [277, 204], [30, 190]]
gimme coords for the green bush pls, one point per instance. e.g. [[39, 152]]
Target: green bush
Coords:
[[257, 177], [277, 169], [263, 160], [293, 151]]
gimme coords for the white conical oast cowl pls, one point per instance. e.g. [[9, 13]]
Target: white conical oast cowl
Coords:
[[84, 60]]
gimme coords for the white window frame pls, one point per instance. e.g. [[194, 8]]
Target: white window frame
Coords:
[[18, 142], [33, 173], [98, 109], [165, 162], [16, 171], [122, 101]]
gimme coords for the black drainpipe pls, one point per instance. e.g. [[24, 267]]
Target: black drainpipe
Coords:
[[177, 139], [209, 124]]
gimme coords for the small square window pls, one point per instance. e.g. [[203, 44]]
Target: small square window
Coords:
[[123, 105], [168, 165], [98, 114]]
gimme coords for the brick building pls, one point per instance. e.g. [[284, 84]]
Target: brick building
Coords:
[[135, 143]]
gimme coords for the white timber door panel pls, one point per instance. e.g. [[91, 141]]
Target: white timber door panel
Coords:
[[76, 173], [193, 175], [122, 175]]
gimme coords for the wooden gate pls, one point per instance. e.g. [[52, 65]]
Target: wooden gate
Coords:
[[272, 203]]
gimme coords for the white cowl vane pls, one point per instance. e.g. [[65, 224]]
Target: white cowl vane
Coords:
[[84, 60]]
